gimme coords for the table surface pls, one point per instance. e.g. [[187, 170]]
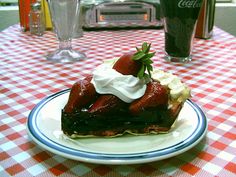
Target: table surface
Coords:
[[26, 77]]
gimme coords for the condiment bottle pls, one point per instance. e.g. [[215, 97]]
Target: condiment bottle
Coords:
[[36, 19], [24, 9]]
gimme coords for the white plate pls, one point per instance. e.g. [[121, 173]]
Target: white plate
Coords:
[[44, 126]]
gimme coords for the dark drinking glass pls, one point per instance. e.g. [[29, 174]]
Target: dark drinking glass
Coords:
[[179, 17]]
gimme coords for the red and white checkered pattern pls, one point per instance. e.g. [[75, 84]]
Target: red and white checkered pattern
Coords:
[[26, 77]]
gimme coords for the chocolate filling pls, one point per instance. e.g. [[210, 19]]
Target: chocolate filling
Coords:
[[81, 122]]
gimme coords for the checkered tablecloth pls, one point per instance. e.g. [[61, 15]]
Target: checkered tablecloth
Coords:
[[26, 77]]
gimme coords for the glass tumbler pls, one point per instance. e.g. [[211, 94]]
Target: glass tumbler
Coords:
[[179, 17]]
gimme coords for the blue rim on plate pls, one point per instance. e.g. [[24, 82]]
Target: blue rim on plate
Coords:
[[107, 158]]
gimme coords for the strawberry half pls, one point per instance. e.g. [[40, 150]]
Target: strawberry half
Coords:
[[82, 93], [106, 104], [155, 95], [126, 65], [136, 63]]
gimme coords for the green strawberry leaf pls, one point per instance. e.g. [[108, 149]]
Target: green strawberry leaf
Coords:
[[144, 57], [138, 56]]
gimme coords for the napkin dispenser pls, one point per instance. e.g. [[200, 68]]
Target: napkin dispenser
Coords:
[[205, 23], [121, 14]]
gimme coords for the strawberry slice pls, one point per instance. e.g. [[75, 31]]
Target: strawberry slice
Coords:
[[82, 93], [155, 95]]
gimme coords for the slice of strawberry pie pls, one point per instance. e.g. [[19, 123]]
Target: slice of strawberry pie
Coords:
[[125, 95]]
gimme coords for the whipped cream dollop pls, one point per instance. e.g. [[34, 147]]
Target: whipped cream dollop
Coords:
[[126, 87]]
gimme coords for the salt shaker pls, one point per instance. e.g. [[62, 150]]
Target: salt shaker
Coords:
[[36, 19]]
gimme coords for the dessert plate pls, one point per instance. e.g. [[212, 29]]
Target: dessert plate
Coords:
[[44, 127]]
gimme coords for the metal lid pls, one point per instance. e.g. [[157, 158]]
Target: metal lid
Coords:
[[35, 6]]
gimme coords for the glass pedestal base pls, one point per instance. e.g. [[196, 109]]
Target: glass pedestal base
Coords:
[[65, 56], [178, 59]]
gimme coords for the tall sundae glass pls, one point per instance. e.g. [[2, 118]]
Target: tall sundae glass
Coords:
[[64, 15]]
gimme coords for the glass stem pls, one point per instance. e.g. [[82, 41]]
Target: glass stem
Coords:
[[65, 45]]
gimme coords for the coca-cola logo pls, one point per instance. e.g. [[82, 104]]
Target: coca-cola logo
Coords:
[[189, 4]]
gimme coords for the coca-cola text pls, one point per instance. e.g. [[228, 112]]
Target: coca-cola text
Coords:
[[189, 4]]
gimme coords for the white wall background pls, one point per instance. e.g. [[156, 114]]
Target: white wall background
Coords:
[[8, 16], [225, 17]]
